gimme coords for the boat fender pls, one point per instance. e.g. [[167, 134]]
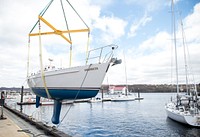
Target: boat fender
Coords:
[[56, 112]]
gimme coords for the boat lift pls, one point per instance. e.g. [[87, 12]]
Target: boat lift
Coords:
[[47, 93], [57, 103]]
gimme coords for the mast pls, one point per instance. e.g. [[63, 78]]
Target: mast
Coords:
[[126, 90], [185, 59], [174, 32]]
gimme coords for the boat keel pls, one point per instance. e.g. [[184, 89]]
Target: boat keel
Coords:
[[56, 112]]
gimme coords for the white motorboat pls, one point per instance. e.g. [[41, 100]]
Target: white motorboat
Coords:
[[121, 98], [95, 100]]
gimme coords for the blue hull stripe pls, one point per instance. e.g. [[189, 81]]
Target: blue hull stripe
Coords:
[[61, 94]]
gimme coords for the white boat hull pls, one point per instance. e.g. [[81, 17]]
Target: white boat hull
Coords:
[[183, 117], [122, 98], [70, 83]]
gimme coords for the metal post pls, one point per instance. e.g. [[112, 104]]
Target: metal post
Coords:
[[102, 94], [138, 93], [22, 94]]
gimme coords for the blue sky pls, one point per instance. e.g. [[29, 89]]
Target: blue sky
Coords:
[[141, 29]]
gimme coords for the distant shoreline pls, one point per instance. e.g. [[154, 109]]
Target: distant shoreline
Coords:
[[142, 88]]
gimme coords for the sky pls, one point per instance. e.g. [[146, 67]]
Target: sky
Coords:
[[141, 29]]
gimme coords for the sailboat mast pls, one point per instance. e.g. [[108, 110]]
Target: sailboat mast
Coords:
[[185, 59], [174, 31], [126, 90]]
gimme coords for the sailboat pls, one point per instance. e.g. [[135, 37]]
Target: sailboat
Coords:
[[184, 108], [70, 83], [127, 96]]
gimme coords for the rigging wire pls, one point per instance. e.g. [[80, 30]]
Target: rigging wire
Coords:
[[184, 52], [172, 50], [77, 14], [187, 58], [175, 46]]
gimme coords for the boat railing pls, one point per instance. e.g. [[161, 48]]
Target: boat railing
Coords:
[[104, 55]]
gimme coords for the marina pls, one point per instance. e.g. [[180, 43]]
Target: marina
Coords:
[[91, 69], [138, 118]]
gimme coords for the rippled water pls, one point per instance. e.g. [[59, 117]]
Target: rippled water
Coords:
[[145, 118]]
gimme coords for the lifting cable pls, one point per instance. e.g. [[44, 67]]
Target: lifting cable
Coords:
[[70, 61], [87, 46], [41, 14], [77, 14]]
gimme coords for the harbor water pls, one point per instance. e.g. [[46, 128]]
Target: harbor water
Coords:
[[145, 118]]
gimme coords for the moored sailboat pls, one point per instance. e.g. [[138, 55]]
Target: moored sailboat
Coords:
[[184, 108], [127, 96]]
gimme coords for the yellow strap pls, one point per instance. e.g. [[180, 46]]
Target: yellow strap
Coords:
[[70, 58], [87, 47], [41, 65], [59, 32], [55, 30]]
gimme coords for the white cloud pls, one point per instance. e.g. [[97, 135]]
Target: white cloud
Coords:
[[136, 25], [102, 3], [147, 64], [158, 43], [191, 25], [112, 28], [17, 19], [150, 63], [149, 6]]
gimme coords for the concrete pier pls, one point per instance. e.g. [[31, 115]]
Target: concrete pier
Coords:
[[18, 124], [9, 129], [14, 126]]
